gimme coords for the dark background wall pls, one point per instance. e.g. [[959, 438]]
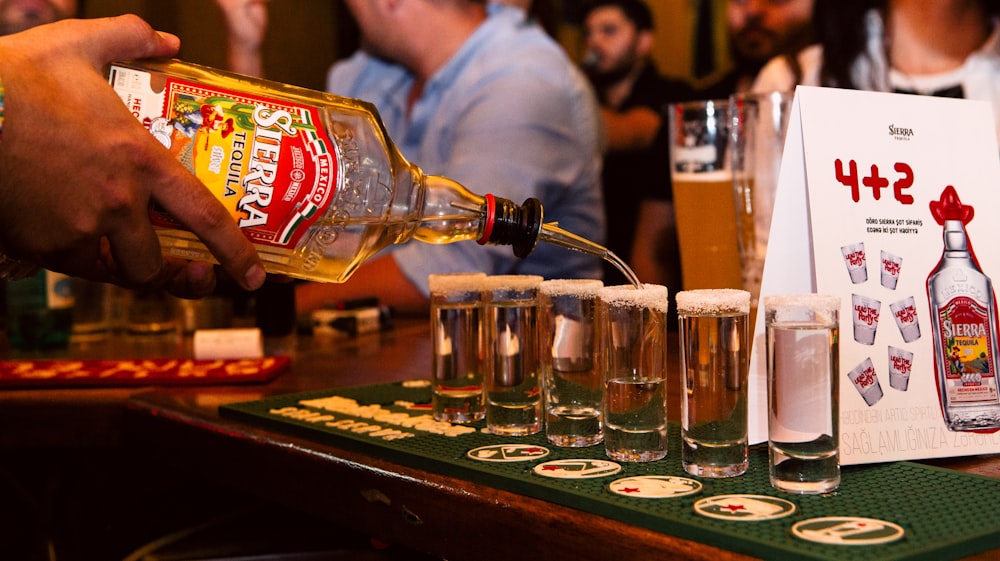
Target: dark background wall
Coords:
[[306, 36]]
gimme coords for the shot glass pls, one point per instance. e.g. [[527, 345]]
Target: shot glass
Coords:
[[715, 349], [457, 345], [511, 377], [632, 327], [803, 392], [900, 365], [865, 380], [891, 265], [905, 313], [570, 377], [857, 263], [864, 316]]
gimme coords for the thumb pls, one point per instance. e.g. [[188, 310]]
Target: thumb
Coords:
[[124, 37]]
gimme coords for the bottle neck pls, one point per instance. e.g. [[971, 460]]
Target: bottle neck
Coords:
[[955, 238], [507, 223]]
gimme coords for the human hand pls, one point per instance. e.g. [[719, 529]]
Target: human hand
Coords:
[[78, 171]]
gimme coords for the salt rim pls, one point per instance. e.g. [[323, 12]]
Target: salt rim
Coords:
[[814, 302], [512, 282], [652, 296], [453, 282], [574, 287], [713, 301]]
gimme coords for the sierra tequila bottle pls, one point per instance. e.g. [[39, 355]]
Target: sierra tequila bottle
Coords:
[[964, 325], [313, 179]]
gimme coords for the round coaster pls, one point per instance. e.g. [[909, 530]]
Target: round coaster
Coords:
[[508, 453], [744, 508], [577, 469], [655, 486], [847, 530]]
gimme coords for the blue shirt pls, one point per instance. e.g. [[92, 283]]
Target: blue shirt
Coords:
[[508, 114]]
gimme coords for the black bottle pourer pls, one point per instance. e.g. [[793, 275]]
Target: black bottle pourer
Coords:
[[507, 223]]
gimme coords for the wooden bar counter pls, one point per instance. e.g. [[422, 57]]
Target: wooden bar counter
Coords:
[[180, 430]]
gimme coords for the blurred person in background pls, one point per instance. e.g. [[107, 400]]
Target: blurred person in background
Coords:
[[19, 15], [758, 31], [475, 92], [634, 97], [931, 47]]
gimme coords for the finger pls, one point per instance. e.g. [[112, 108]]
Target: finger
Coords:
[[184, 197], [125, 37], [136, 251]]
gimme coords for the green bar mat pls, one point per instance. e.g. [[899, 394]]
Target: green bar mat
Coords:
[[945, 514]]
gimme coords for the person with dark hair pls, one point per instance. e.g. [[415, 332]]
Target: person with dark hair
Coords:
[[930, 47], [759, 30], [634, 96]]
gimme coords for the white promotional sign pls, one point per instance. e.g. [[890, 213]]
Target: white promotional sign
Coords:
[[868, 183]]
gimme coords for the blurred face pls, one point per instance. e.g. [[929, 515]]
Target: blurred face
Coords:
[[376, 34], [613, 44], [762, 29], [18, 15]]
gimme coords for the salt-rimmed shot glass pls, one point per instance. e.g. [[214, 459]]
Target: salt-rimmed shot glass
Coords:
[[457, 344], [715, 352], [512, 374], [803, 392], [570, 377], [632, 324]]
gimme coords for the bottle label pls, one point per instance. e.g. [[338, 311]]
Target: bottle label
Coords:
[[970, 376], [269, 161]]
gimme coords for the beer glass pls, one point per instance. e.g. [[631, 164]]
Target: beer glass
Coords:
[[759, 123], [633, 359], [457, 344], [715, 353], [570, 377], [803, 392], [703, 194], [513, 393]]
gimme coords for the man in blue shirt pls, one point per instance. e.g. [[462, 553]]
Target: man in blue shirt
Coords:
[[474, 92]]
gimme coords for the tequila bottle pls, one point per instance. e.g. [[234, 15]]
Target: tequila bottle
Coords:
[[964, 325], [313, 179]]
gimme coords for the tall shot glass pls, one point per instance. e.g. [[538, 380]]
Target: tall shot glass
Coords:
[[457, 343], [513, 393], [632, 326], [803, 392], [715, 351], [570, 376]]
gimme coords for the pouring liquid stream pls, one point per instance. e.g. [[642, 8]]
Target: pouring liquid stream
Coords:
[[552, 233]]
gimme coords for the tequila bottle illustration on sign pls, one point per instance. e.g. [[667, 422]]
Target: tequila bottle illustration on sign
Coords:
[[964, 325]]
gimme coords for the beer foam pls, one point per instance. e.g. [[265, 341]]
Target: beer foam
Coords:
[[574, 287], [713, 301], [652, 296], [447, 283]]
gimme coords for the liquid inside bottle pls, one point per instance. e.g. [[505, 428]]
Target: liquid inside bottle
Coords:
[[313, 179]]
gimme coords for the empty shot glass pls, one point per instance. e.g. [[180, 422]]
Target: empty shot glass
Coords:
[[715, 351], [856, 262], [900, 366], [864, 317], [570, 377], [803, 392], [457, 345], [511, 380], [905, 314], [632, 326]]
